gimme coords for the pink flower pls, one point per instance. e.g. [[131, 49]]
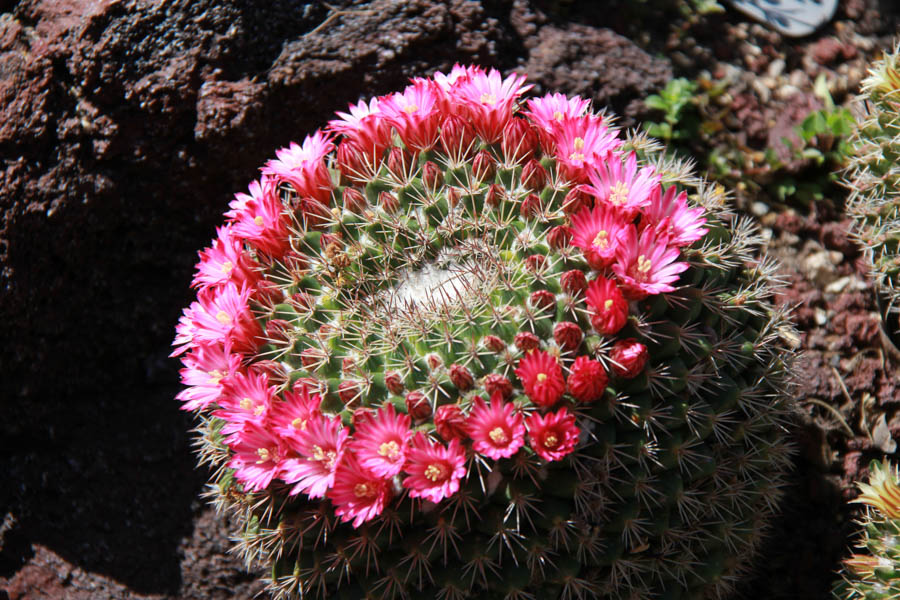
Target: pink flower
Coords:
[[292, 415], [415, 114], [669, 215], [259, 218], [225, 261], [621, 186], [487, 99], [304, 167], [365, 127], [247, 398], [628, 357], [205, 371], [320, 446], [497, 432], [434, 470], [646, 265], [381, 441], [596, 232], [609, 311], [542, 378], [257, 457], [358, 494], [549, 111], [220, 315], [581, 142], [587, 380], [554, 435]]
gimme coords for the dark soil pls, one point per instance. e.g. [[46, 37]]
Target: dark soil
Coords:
[[125, 126]]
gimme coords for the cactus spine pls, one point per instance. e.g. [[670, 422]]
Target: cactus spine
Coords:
[[406, 315]]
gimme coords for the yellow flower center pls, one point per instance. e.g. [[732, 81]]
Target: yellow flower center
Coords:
[[550, 440], [264, 455], [389, 450], [643, 264], [498, 435], [435, 472], [227, 266], [541, 377], [260, 409], [299, 423], [558, 116], [578, 144], [246, 403], [601, 240], [619, 194], [223, 318], [258, 220], [487, 98], [215, 376], [324, 456], [607, 305], [410, 109], [364, 490]]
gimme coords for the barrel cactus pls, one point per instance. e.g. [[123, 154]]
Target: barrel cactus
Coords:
[[462, 345], [875, 575], [873, 178]]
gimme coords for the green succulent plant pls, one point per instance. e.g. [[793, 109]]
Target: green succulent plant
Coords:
[[462, 265]]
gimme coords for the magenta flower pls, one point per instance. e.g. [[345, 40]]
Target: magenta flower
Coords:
[[320, 447], [415, 114], [247, 399], [303, 167], [669, 215], [549, 111], [257, 457], [554, 435], [587, 379], [292, 415], [497, 431], [358, 494], [542, 378], [381, 441], [220, 315], [609, 311], [226, 260], [259, 220], [206, 369], [365, 126], [621, 186], [596, 232], [487, 99], [581, 142], [434, 471], [645, 264]]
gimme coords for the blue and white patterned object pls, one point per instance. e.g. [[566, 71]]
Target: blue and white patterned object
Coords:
[[794, 18]]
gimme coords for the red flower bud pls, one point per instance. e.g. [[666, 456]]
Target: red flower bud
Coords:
[[534, 176], [314, 213], [519, 141], [348, 365], [432, 176], [454, 194], [457, 138], [559, 237], [568, 335], [418, 406], [275, 371], [574, 201], [450, 422], [543, 300], [493, 343], [268, 291], [573, 282], [494, 195], [461, 377], [498, 384], [401, 163], [530, 207], [352, 161], [535, 263], [360, 416], [312, 358], [301, 301], [354, 200], [483, 168], [628, 357], [348, 391], [388, 202], [331, 239], [279, 330], [393, 381], [310, 384], [587, 380], [434, 361], [526, 341]]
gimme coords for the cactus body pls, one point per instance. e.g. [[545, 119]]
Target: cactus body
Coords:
[[482, 353], [873, 178]]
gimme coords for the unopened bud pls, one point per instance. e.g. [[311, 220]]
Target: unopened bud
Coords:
[[354, 200], [527, 341], [483, 168], [534, 176], [498, 384], [567, 335], [559, 237], [393, 381], [543, 300], [388, 202], [518, 142], [432, 176], [418, 406], [461, 377], [530, 207], [450, 422], [573, 282]]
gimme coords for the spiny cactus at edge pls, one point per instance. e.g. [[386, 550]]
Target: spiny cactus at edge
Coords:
[[460, 345], [873, 178], [875, 574]]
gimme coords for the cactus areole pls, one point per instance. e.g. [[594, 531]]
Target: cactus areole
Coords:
[[465, 345]]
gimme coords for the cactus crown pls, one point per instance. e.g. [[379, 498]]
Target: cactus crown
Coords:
[[476, 350], [873, 178], [875, 575]]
